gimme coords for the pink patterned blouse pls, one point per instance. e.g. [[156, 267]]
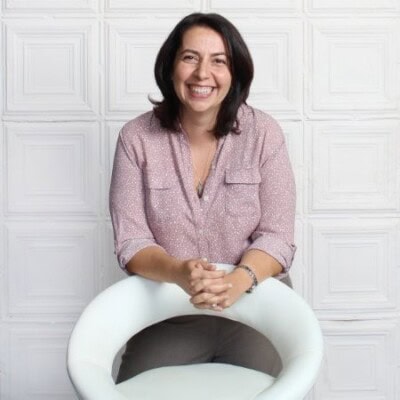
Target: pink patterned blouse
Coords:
[[248, 200]]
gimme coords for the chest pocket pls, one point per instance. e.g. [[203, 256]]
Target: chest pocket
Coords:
[[242, 192], [161, 190]]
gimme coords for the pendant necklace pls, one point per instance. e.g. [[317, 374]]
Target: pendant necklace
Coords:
[[200, 185]]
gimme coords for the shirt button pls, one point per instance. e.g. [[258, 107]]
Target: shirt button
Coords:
[[205, 198]]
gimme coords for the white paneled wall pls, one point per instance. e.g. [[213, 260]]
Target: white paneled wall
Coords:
[[74, 71]]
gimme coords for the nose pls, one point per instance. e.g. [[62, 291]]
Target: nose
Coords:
[[202, 71]]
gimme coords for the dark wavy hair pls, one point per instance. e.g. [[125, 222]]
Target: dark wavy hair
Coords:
[[240, 64]]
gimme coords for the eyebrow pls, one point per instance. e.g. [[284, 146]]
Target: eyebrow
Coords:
[[221, 53]]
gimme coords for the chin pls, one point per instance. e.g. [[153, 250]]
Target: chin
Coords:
[[202, 105], [202, 110]]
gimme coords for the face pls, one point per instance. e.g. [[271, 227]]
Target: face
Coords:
[[201, 76]]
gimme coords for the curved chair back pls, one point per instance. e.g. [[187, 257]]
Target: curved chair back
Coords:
[[134, 303]]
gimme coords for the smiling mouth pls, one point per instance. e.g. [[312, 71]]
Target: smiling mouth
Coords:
[[201, 90]]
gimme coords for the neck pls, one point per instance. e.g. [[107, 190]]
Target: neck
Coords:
[[198, 128]]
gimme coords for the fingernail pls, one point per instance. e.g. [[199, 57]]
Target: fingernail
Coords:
[[230, 285], [205, 259]]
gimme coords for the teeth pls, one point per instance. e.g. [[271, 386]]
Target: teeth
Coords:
[[201, 89]]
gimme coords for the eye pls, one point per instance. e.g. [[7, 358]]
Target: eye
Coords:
[[220, 61], [189, 58]]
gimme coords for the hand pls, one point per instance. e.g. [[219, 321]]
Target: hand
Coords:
[[194, 271], [213, 298]]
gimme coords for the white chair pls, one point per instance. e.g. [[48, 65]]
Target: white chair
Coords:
[[134, 303]]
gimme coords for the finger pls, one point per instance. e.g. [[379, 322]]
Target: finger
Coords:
[[226, 303], [209, 267], [196, 273], [217, 288], [200, 284], [220, 300], [193, 265], [202, 261], [198, 265], [199, 273], [204, 306], [209, 298], [201, 297], [206, 265], [211, 286]]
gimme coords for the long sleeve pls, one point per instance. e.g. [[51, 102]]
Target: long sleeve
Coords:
[[248, 199], [127, 205], [274, 234]]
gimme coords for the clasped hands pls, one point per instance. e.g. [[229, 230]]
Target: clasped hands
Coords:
[[208, 287]]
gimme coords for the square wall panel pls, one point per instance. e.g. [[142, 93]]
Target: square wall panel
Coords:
[[360, 361], [353, 6], [132, 51], [51, 68], [353, 67], [50, 5], [53, 167], [50, 268], [154, 6], [276, 47], [35, 366], [353, 166], [254, 6], [353, 266]]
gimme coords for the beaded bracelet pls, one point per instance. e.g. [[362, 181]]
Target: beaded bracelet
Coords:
[[252, 275]]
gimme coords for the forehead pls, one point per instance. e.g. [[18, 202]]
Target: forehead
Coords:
[[202, 38]]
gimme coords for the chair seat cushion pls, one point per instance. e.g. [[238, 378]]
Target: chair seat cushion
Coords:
[[196, 382]]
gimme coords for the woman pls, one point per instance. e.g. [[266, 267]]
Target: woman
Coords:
[[201, 179]]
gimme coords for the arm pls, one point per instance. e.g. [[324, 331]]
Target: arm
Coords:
[[185, 273], [274, 235], [127, 205], [135, 246], [272, 249]]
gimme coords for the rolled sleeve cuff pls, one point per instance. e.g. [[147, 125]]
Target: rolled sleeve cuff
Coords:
[[281, 250], [130, 248]]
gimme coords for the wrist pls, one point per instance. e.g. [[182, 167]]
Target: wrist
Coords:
[[251, 275], [176, 268], [241, 279]]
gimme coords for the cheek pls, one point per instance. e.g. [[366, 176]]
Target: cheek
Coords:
[[177, 83], [227, 85], [226, 80], [179, 78], [229, 79]]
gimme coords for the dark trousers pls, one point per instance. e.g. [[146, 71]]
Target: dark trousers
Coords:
[[198, 339]]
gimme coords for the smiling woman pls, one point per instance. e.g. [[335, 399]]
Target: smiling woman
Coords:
[[203, 179], [201, 77], [227, 40]]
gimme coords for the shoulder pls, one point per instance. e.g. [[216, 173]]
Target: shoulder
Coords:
[[144, 126], [261, 129], [143, 138], [259, 123]]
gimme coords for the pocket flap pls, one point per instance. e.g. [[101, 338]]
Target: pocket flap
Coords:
[[243, 175]]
